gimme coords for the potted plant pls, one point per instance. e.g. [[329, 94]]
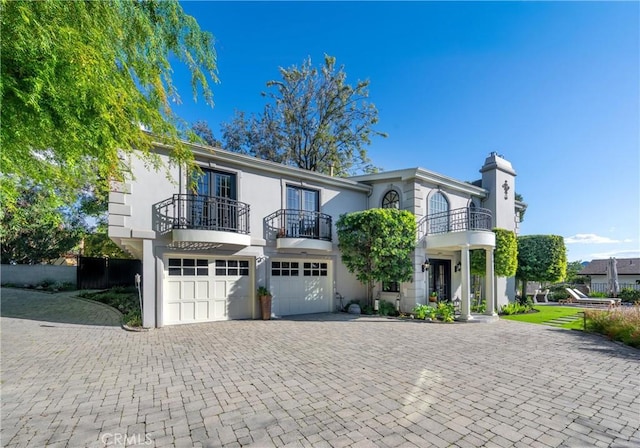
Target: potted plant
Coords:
[[265, 302], [433, 297]]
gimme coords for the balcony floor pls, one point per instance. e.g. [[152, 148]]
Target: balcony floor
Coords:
[[210, 237], [458, 240]]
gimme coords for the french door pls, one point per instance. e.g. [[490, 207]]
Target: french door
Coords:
[[214, 206], [302, 212], [440, 278]]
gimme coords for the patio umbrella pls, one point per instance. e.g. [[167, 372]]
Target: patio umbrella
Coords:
[[612, 277]]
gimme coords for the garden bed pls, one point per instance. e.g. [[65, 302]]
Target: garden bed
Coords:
[[124, 299]]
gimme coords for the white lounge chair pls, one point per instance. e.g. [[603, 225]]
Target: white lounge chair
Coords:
[[576, 296]]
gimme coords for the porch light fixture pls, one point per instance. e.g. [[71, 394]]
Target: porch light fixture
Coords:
[[458, 267], [426, 265]]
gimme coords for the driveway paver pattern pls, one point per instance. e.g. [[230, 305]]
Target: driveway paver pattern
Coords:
[[330, 380]]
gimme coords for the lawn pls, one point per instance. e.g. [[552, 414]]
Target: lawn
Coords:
[[547, 313]]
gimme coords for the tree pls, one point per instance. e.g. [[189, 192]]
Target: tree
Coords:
[[573, 272], [83, 81], [376, 245], [505, 257], [518, 197], [39, 229], [98, 244], [316, 121], [202, 131], [541, 258]]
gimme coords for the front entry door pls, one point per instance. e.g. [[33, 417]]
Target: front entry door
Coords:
[[440, 278]]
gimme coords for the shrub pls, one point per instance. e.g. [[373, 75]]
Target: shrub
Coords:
[[481, 308], [54, 286], [525, 301], [629, 295], [558, 292], [46, 283], [515, 308], [622, 324], [132, 319], [386, 308], [124, 300], [445, 311], [598, 294], [424, 311]]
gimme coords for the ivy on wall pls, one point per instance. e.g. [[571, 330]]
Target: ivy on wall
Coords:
[[376, 245]]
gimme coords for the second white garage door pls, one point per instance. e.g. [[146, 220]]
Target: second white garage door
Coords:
[[301, 286]]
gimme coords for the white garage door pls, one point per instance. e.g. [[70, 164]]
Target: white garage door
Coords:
[[206, 289], [301, 286]]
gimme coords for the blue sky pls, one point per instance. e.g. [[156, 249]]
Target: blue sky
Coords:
[[552, 86]]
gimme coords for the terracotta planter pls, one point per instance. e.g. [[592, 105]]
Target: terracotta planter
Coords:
[[265, 307], [433, 299]]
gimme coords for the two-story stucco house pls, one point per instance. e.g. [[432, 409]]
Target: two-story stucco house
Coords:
[[252, 222]]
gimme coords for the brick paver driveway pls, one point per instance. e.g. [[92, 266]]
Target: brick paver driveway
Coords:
[[325, 380]]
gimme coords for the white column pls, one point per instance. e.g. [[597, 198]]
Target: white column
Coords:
[[465, 305], [489, 290], [148, 285]]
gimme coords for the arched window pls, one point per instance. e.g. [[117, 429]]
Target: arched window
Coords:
[[472, 216], [439, 213], [391, 200]]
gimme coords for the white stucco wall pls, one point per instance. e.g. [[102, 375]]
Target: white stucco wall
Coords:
[[23, 274], [134, 221]]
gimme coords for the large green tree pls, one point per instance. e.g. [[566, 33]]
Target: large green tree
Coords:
[[541, 258], [315, 121], [376, 245], [39, 229], [84, 81], [98, 244]]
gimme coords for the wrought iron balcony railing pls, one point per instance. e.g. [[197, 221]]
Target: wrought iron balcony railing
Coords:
[[300, 224], [458, 220], [191, 211]]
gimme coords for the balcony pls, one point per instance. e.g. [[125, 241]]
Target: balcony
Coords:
[[300, 229], [457, 228], [207, 221]]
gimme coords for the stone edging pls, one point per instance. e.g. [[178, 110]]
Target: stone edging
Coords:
[[135, 329]]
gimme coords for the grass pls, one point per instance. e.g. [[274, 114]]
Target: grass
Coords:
[[547, 313], [621, 324], [543, 314]]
